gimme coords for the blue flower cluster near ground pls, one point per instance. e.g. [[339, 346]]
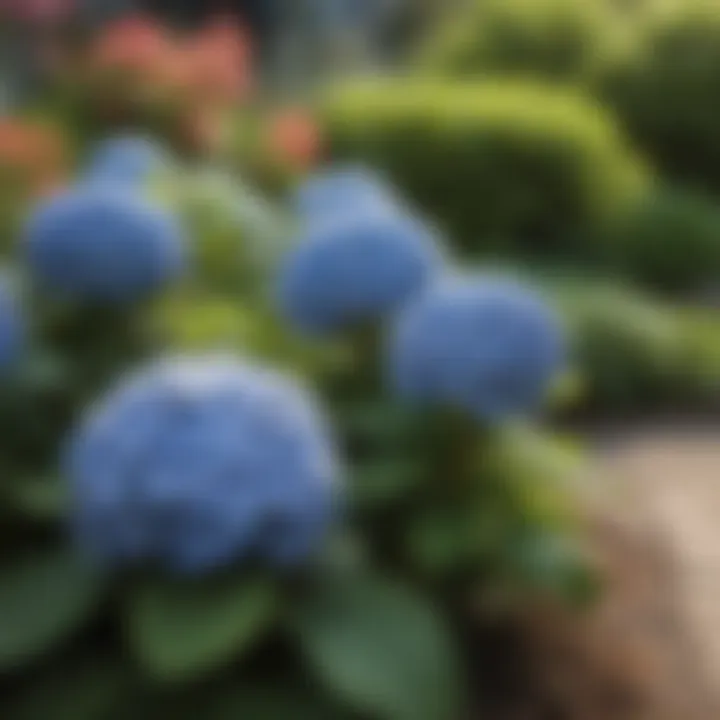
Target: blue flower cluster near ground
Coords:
[[342, 189], [196, 462], [126, 159], [487, 345], [355, 269], [12, 326], [104, 244]]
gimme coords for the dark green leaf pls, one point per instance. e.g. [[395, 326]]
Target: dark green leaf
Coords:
[[90, 690], [385, 481], [272, 702], [381, 649], [41, 498], [44, 598], [183, 629]]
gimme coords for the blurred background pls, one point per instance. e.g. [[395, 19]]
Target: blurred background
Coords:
[[576, 142]]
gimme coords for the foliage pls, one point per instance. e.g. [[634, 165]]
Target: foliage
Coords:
[[555, 39], [636, 353], [665, 87], [506, 167], [207, 551], [670, 242]]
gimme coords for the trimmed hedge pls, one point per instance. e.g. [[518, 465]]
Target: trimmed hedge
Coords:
[[558, 39], [506, 166], [666, 88], [636, 354], [670, 242]]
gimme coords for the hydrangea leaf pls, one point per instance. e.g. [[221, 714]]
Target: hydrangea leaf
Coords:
[[88, 689], [270, 703], [385, 481], [182, 629], [381, 649], [44, 598]]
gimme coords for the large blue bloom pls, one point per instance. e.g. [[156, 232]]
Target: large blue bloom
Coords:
[[341, 190], [196, 462], [486, 345], [104, 244], [355, 269], [126, 159], [12, 326]]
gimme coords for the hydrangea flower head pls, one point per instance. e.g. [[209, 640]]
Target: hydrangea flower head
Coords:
[[12, 326], [197, 462], [489, 346], [126, 159], [104, 244], [356, 269], [341, 190]]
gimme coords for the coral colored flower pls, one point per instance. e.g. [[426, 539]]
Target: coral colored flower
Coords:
[[135, 44], [33, 156], [37, 11], [218, 61], [295, 138]]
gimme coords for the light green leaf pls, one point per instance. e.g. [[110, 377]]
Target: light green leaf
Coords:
[[44, 598], [183, 629], [381, 649]]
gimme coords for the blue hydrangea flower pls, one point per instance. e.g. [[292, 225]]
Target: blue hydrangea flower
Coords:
[[356, 269], [104, 244], [486, 345], [341, 190], [197, 462], [126, 159], [12, 326]]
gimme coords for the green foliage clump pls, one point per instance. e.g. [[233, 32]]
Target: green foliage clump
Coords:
[[670, 242], [562, 40], [636, 354], [507, 167], [666, 87]]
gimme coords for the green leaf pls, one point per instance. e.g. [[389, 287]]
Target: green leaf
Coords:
[[381, 649], [557, 566], [43, 498], [385, 481], [258, 702], [182, 629], [91, 689], [44, 598]]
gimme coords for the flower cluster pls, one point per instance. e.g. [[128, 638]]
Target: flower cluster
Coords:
[[341, 190], [486, 345], [211, 65], [355, 269], [12, 326], [102, 243], [126, 159], [196, 462], [33, 157]]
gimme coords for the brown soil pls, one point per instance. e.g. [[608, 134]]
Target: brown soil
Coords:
[[651, 649]]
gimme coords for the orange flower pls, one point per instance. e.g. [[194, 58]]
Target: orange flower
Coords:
[[219, 61], [31, 155], [294, 137], [133, 44]]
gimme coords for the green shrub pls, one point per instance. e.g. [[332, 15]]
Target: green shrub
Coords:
[[666, 88], [504, 166], [671, 242], [558, 39], [636, 354]]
